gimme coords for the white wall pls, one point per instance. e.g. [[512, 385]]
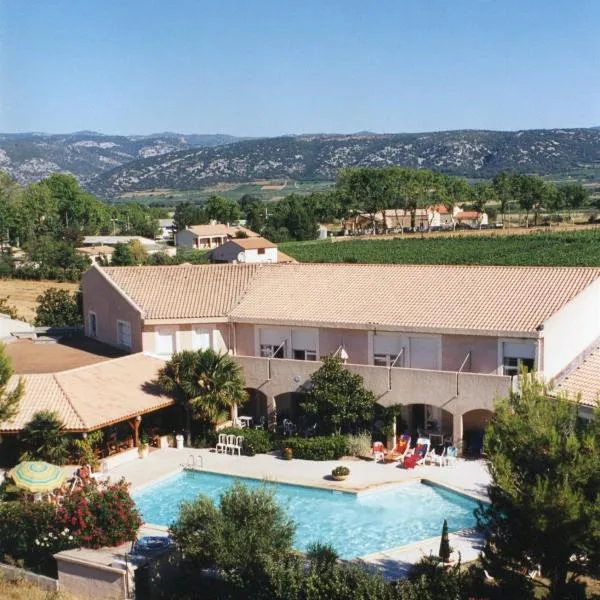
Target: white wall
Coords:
[[270, 255], [571, 330], [8, 326], [184, 239], [230, 251]]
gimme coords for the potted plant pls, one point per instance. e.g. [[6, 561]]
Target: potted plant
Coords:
[[143, 446], [340, 473], [287, 454]]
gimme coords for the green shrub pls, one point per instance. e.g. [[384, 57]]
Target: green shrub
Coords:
[[256, 441], [359, 445], [317, 448], [30, 535], [341, 471]]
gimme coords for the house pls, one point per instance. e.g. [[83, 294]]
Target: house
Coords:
[[390, 219], [167, 229], [210, 236], [442, 341], [470, 218], [249, 250], [100, 247]]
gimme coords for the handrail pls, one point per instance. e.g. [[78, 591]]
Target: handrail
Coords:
[[392, 366], [464, 362], [273, 356]]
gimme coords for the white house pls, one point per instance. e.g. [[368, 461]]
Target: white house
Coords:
[[209, 236], [248, 250]]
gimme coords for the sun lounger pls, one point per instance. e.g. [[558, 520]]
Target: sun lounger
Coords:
[[378, 451], [401, 449]]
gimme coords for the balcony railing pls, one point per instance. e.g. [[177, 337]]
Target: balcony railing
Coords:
[[450, 390]]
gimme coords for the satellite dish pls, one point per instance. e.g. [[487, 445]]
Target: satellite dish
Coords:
[[241, 257]]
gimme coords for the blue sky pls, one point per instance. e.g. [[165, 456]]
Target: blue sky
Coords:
[[263, 67]]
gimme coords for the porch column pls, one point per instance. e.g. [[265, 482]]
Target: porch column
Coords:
[[457, 430], [135, 428], [234, 413], [271, 413], [391, 441]]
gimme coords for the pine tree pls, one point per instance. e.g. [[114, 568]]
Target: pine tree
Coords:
[[9, 400], [544, 493], [444, 552]]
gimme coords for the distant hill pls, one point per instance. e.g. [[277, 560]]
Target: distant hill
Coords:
[[319, 157], [31, 156]]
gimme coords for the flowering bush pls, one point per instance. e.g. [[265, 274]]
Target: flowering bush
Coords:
[[100, 516], [29, 536]]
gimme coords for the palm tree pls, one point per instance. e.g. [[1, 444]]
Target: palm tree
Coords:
[[43, 438], [204, 382]]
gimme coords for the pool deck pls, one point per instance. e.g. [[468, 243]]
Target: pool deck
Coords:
[[469, 477]]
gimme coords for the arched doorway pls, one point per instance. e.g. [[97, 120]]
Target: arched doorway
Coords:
[[474, 423], [425, 420], [257, 406]]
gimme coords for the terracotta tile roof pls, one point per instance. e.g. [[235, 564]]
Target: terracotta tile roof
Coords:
[[466, 214], [425, 297], [92, 397], [220, 229], [42, 392], [96, 250], [584, 380], [252, 243], [183, 291], [282, 257]]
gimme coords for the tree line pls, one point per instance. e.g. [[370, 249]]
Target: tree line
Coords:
[[48, 220], [369, 190]]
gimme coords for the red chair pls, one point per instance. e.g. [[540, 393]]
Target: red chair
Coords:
[[410, 461]]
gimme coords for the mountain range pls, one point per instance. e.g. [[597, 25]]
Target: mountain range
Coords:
[[113, 165], [32, 156]]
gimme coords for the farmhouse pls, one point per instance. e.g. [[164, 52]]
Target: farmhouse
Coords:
[[210, 236], [442, 341], [249, 250]]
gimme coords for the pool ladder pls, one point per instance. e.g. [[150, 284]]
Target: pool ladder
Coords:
[[195, 462]]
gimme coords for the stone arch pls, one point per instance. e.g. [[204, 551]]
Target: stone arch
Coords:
[[257, 405], [474, 423]]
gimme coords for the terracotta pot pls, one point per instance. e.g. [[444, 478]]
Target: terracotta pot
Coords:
[[340, 477], [287, 454]]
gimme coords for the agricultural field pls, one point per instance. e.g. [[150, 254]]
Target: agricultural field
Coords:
[[22, 293], [572, 248], [268, 190]]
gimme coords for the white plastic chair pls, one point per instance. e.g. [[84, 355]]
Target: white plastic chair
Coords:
[[439, 459], [451, 455], [230, 443], [222, 443], [239, 442], [377, 451]]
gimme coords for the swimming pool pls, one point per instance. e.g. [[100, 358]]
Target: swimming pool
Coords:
[[354, 524]]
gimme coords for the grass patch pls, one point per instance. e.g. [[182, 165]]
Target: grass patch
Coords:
[[18, 590], [570, 249]]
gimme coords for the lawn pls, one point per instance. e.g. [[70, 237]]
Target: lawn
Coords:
[[574, 248], [22, 293]]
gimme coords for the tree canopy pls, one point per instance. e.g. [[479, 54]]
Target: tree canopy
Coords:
[[58, 308], [545, 491], [9, 398], [338, 400]]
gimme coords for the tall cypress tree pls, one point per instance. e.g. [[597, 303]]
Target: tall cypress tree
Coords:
[[444, 552], [9, 400]]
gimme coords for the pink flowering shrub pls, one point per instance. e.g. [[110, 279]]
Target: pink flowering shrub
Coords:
[[103, 515]]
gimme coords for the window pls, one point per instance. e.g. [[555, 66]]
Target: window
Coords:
[[305, 355], [124, 334], [165, 341], [201, 339], [512, 366], [92, 331], [271, 351], [387, 360], [261, 251]]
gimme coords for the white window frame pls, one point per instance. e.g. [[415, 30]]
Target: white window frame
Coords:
[[120, 322], [91, 314], [387, 360], [266, 350], [202, 331], [307, 354], [502, 368]]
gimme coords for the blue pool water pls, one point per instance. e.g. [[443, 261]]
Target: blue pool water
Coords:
[[354, 524]]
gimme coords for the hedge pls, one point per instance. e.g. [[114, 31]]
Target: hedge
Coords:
[[256, 441], [317, 448]]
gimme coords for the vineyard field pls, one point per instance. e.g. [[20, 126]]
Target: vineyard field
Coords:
[[575, 248]]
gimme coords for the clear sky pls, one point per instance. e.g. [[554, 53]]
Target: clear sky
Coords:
[[270, 67]]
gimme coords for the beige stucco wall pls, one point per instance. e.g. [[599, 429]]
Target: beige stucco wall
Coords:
[[102, 298], [484, 353], [356, 343], [91, 581]]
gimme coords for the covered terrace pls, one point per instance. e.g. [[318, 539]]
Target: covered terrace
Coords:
[[115, 396]]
